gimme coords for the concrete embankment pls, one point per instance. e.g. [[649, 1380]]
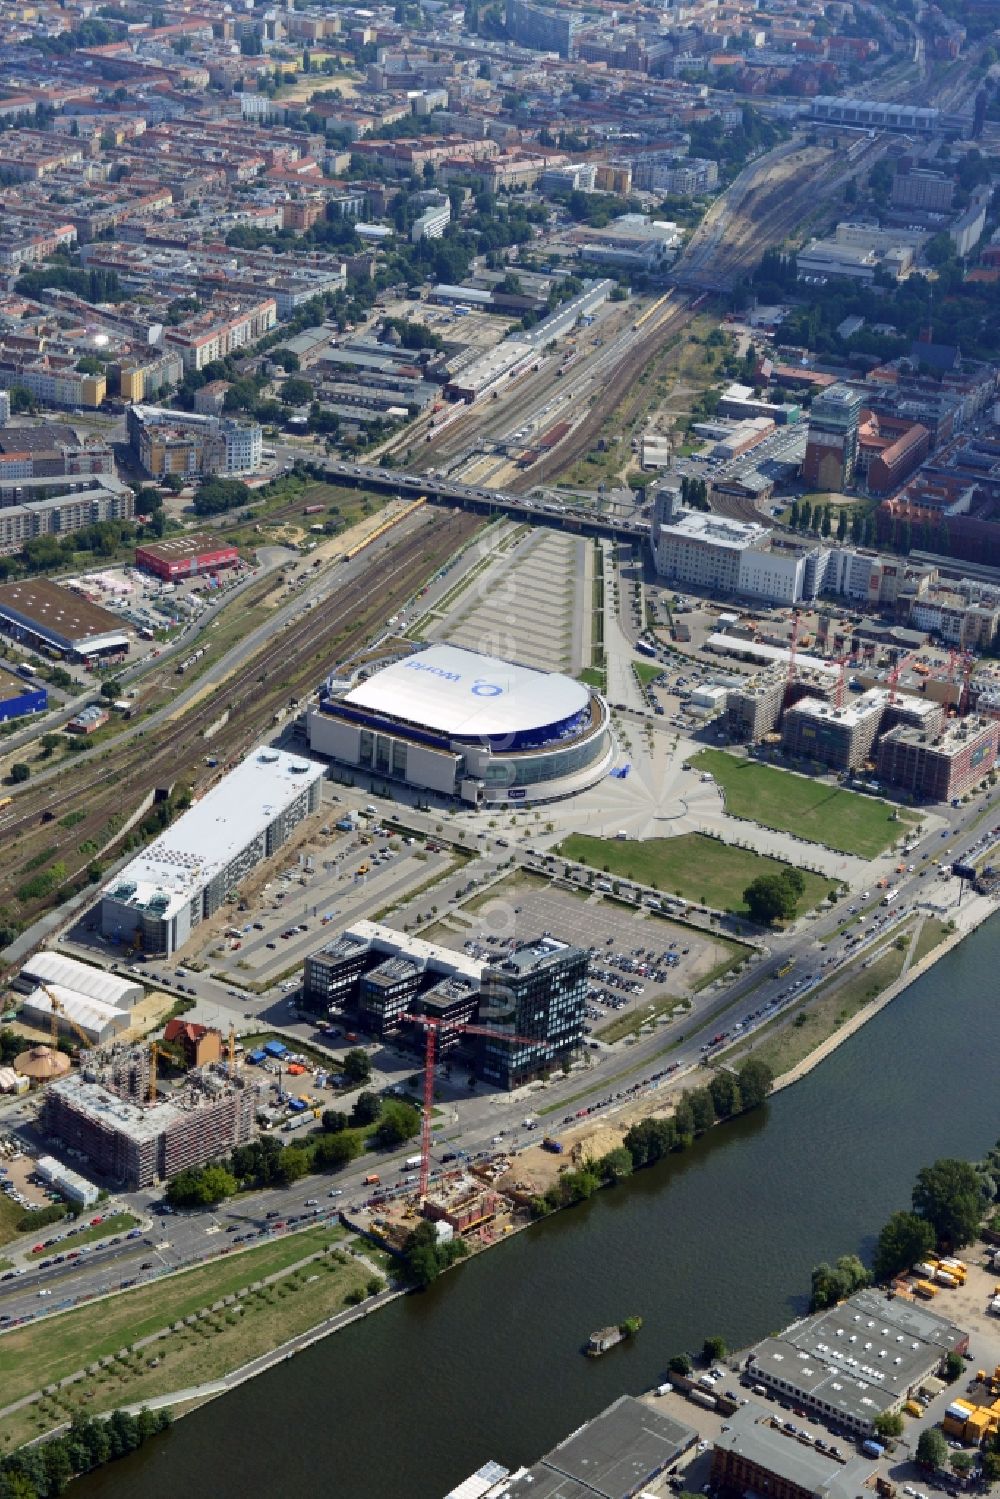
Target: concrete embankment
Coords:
[[966, 919]]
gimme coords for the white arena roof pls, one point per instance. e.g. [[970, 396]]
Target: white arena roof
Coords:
[[471, 696]]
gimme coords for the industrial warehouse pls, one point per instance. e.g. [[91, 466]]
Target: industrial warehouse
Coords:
[[74, 997], [465, 725], [158, 899], [188, 556], [60, 622], [858, 1360], [18, 697]]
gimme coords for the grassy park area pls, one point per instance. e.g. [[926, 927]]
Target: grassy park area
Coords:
[[692, 866], [813, 809], [647, 671], [193, 1343]]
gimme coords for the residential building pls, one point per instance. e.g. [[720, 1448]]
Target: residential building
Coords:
[[183, 442], [432, 223], [701, 549], [542, 27], [832, 445], [931, 192], [86, 502], [939, 767]]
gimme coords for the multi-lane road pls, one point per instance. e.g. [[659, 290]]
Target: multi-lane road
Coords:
[[610, 1078]]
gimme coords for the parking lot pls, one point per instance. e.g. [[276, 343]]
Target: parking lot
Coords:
[[15, 1171], [639, 958]]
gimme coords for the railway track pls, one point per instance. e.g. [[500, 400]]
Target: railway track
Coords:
[[620, 379], [289, 665]]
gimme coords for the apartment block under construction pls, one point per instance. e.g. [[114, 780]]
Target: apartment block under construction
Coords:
[[754, 709], [938, 766], [844, 738], [105, 1112]]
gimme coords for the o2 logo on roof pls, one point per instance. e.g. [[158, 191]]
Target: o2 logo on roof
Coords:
[[486, 689]]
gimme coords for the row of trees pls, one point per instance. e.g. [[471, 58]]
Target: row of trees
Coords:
[[46, 1469], [948, 1202], [728, 1094]]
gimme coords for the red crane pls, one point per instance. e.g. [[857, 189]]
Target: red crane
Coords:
[[901, 661], [841, 664], [433, 1025]]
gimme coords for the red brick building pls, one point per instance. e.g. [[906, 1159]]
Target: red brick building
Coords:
[[185, 556]]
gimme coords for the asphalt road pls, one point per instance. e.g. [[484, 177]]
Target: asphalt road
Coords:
[[472, 1123]]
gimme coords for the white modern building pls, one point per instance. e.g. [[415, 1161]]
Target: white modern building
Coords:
[[432, 222], [244, 443], [699, 548], [468, 726], [158, 899]]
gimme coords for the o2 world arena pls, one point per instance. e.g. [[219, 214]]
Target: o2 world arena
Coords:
[[463, 725]]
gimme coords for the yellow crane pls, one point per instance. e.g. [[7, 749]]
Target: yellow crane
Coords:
[[58, 1008]]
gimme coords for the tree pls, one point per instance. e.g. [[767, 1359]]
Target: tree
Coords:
[[905, 1240], [110, 690], [367, 1108], [771, 897], [888, 1424], [702, 1109], [50, 743], [333, 1151], [932, 1449], [398, 1123], [616, 1165], [950, 1196], [19, 772], [842, 524], [953, 1367], [713, 1349], [726, 1096], [201, 1186], [679, 1364], [296, 391], [334, 1121], [833, 1283], [357, 1065], [424, 1257]]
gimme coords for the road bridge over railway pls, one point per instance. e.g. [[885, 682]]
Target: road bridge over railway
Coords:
[[581, 521]]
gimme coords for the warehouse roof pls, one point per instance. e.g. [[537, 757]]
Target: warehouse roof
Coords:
[[58, 613], [90, 1014], [612, 1456], [92, 983], [180, 548], [751, 1435], [472, 696], [203, 842]]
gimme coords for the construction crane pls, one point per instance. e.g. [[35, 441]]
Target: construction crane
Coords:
[[793, 642], [841, 665], [433, 1026], [231, 1053], [900, 663], [154, 1057], [58, 1008]]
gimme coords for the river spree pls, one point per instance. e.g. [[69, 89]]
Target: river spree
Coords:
[[719, 1241]]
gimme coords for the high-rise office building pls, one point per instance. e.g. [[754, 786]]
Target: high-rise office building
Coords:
[[537, 993], [832, 444]]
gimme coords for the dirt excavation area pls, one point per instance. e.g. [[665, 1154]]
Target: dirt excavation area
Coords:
[[535, 1169]]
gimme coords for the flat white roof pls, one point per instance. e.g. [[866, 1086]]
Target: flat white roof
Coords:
[[428, 955], [202, 842], [91, 1014], [720, 531], [93, 983], [472, 696], [733, 645]]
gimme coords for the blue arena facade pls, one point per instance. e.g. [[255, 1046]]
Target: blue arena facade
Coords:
[[469, 727]]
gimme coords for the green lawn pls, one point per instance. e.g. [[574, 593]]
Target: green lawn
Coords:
[[694, 867], [822, 813], [593, 676], [115, 1223], [31, 1357], [647, 671]]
